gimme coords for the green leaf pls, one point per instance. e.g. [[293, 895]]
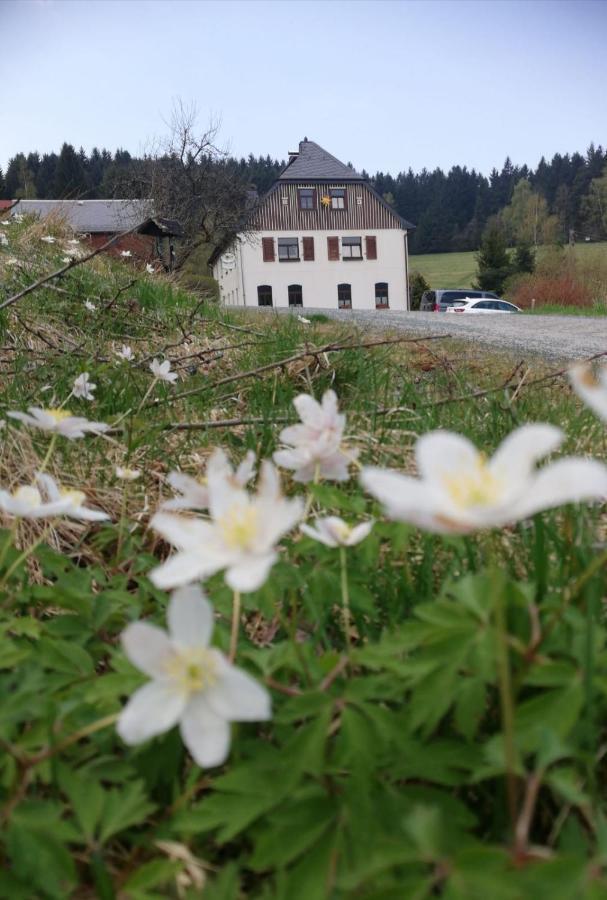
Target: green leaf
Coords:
[[124, 808], [470, 706]]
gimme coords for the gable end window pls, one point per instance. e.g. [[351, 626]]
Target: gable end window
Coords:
[[351, 248], [381, 295], [306, 198], [264, 295], [267, 247], [295, 295], [338, 198], [344, 296], [288, 249], [371, 247]]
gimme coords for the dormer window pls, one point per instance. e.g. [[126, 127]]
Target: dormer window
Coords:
[[306, 198], [338, 198]]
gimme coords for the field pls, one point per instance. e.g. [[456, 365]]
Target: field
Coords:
[[458, 270], [418, 705]]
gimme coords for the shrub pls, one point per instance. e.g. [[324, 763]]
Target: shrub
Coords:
[[417, 286]]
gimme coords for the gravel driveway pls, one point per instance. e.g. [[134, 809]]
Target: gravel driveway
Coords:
[[554, 337]]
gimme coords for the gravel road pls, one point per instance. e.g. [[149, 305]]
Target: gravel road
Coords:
[[552, 337]]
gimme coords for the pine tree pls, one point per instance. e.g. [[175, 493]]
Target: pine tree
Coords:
[[493, 262], [2, 187], [70, 177], [524, 257]]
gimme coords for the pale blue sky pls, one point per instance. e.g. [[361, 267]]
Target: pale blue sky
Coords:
[[384, 84]]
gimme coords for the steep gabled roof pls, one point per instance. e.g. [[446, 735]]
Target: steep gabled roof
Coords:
[[313, 163]]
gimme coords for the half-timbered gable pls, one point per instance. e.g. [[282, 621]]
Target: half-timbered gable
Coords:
[[321, 237]]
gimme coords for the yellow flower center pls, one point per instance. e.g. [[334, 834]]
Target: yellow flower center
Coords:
[[342, 532], [28, 495], [58, 414], [477, 486], [193, 669], [238, 526], [77, 497]]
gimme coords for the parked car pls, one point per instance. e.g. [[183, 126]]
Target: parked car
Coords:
[[483, 306], [440, 301]]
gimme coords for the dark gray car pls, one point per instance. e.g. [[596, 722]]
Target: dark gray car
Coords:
[[438, 301]]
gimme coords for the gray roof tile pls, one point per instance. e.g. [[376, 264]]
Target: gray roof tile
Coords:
[[90, 216], [313, 163]]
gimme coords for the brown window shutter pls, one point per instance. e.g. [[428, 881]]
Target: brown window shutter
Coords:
[[333, 248], [267, 245], [308, 248], [371, 246]]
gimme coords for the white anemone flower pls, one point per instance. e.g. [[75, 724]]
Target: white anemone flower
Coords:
[[73, 500], [592, 390], [74, 242], [241, 536], [66, 260], [193, 493], [303, 320], [459, 490], [162, 371], [83, 388], [125, 352], [149, 269], [334, 532], [192, 684], [48, 239], [125, 474], [59, 421], [90, 305], [26, 502], [5, 222], [3, 239], [314, 447], [125, 253]]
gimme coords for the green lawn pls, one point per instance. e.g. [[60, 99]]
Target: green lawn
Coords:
[[458, 270]]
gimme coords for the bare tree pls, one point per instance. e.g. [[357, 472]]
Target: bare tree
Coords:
[[192, 179]]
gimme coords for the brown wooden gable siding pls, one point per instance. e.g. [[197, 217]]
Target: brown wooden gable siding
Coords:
[[274, 215]]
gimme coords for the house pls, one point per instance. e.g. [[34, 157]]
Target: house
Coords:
[[321, 237], [100, 220]]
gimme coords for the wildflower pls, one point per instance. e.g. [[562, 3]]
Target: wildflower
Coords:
[[240, 538], [192, 684], [314, 447], [73, 242], [26, 502], [3, 239], [149, 269], [162, 371], [125, 352], [303, 320], [334, 532], [127, 474], [48, 239], [125, 253], [5, 222], [90, 306], [73, 501], [59, 421], [195, 492], [12, 261], [459, 490], [66, 260], [593, 391], [83, 388]]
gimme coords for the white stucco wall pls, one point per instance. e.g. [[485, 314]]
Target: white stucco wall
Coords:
[[319, 277]]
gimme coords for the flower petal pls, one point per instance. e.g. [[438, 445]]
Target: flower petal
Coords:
[[520, 451], [238, 697], [569, 480], [360, 532], [190, 617], [319, 534], [184, 568], [440, 453], [147, 647], [152, 710], [183, 532], [205, 734], [309, 410], [592, 391], [250, 573]]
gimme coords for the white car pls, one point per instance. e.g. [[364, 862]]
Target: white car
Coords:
[[471, 305]]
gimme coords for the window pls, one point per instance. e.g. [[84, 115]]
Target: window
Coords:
[[351, 248], [381, 295], [264, 295], [288, 249], [307, 198], [308, 248], [333, 248], [344, 296], [371, 247], [338, 198], [295, 295], [267, 246]]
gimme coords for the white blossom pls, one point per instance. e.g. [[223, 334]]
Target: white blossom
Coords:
[[125, 474], [240, 537], [73, 242], [48, 239], [26, 502], [192, 684], [459, 490], [149, 269], [314, 447], [59, 421], [591, 389], [83, 388], [303, 320], [3, 239], [90, 306], [66, 260], [125, 352], [5, 222], [162, 371], [334, 532], [125, 253], [73, 500], [193, 493]]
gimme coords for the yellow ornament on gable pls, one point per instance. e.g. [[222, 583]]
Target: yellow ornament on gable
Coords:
[[326, 201]]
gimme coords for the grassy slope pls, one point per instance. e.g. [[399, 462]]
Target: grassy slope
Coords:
[[458, 270]]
